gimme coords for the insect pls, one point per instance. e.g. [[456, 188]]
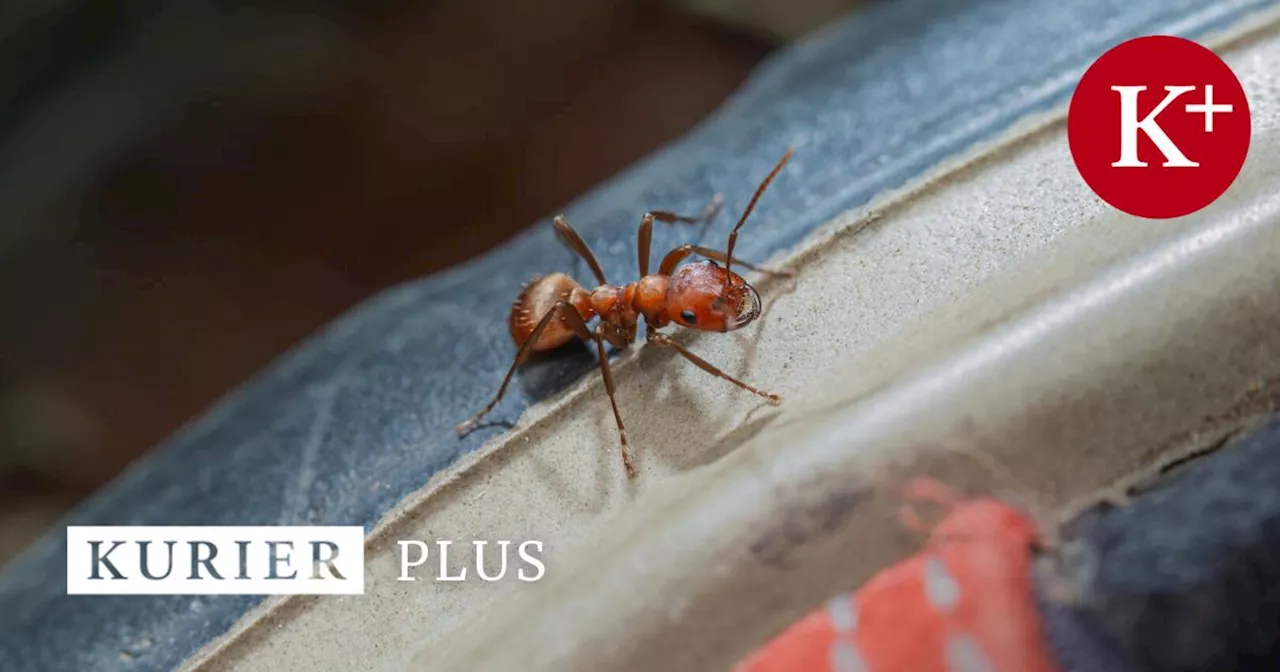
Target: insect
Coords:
[[554, 309], [965, 602]]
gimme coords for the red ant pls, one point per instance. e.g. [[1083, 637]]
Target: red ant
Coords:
[[553, 309]]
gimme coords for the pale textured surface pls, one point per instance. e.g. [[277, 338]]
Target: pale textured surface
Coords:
[[871, 306]]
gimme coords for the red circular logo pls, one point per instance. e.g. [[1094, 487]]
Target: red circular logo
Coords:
[[1159, 127]]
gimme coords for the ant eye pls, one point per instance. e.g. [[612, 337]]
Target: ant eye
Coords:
[[689, 317]]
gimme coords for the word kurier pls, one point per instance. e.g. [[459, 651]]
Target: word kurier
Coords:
[[215, 560]]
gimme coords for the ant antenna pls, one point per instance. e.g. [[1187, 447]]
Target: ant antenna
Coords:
[[733, 236]]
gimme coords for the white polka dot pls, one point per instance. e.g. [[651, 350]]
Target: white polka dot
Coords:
[[843, 613], [845, 658], [939, 586], [965, 655]]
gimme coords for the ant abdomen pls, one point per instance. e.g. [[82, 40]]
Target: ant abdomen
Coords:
[[540, 295]]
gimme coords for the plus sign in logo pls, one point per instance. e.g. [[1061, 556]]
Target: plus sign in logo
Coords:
[[1159, 127]]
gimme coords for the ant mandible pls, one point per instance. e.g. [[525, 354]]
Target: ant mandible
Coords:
[[554, 309]]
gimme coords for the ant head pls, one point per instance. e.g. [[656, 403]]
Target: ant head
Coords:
[[710, 298], [707, 297]]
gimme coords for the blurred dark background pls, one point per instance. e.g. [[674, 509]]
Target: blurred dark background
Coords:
[[188, 189]]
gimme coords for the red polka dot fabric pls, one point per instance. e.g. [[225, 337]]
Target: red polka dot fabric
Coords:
[[964, 603]]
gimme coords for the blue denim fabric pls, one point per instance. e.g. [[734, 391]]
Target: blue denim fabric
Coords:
[[1185, 577]]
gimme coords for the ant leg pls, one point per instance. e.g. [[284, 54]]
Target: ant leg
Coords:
[[579, 326], [642, 242], [665, 341], [646, 227], [562, 308], [712, 209], [719, 256], [570, 237], [674, 257], [607, 374]]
